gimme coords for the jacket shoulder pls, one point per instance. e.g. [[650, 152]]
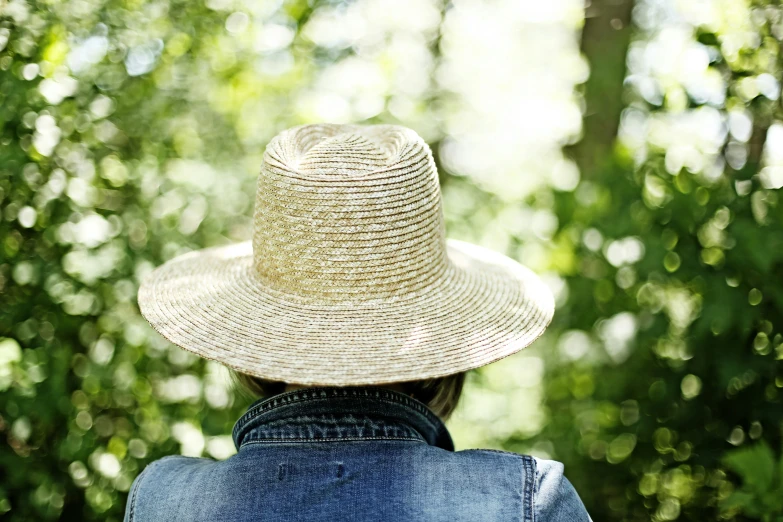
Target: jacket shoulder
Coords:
[[555, 498], [552, 497], [152, 483]]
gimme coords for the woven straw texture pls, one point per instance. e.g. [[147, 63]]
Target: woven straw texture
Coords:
[[349, 278]]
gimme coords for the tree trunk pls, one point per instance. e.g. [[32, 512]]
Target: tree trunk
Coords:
[[605, 39]]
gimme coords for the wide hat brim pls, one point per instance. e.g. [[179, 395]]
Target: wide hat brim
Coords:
[[210, 302]]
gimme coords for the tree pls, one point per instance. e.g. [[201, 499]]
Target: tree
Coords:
[[701, 305]]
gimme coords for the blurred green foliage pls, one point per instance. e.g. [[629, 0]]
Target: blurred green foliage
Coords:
[[705, 299], [132, 131], [761, 495]]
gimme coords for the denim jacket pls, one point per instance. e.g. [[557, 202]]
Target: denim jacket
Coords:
[[358, 454]]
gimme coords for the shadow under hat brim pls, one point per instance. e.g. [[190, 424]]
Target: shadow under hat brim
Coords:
[[211, 302]]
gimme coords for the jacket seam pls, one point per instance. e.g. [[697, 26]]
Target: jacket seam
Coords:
[[143, 475], [507, 453], [531, 488], [315, 394], [327, 439], [343, 437], [529, 481]]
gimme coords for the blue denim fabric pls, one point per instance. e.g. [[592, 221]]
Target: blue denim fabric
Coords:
[[358, 454]]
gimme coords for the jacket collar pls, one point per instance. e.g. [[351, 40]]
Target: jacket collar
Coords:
[[345, 413]]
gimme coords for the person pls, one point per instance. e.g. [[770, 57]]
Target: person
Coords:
[[356, 320]]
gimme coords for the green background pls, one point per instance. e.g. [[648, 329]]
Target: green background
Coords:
[[630, 152]]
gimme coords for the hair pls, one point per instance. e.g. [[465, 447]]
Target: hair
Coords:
[[441, 394]]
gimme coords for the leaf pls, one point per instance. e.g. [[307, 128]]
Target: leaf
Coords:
[[754, 464], [739, 500]]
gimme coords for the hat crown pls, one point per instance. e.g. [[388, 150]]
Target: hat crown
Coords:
[[347, 210]]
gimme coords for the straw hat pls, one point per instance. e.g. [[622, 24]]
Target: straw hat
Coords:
[[349, 278]]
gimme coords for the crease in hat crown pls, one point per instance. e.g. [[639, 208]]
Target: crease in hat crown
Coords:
[[343, 211]]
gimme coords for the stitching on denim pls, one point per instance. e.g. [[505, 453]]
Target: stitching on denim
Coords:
[[172, 457], [317, 393], [328, 420], [330, 439], [297, 396], [144, 474], [530, 487], [507, 453], [268, 434]]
